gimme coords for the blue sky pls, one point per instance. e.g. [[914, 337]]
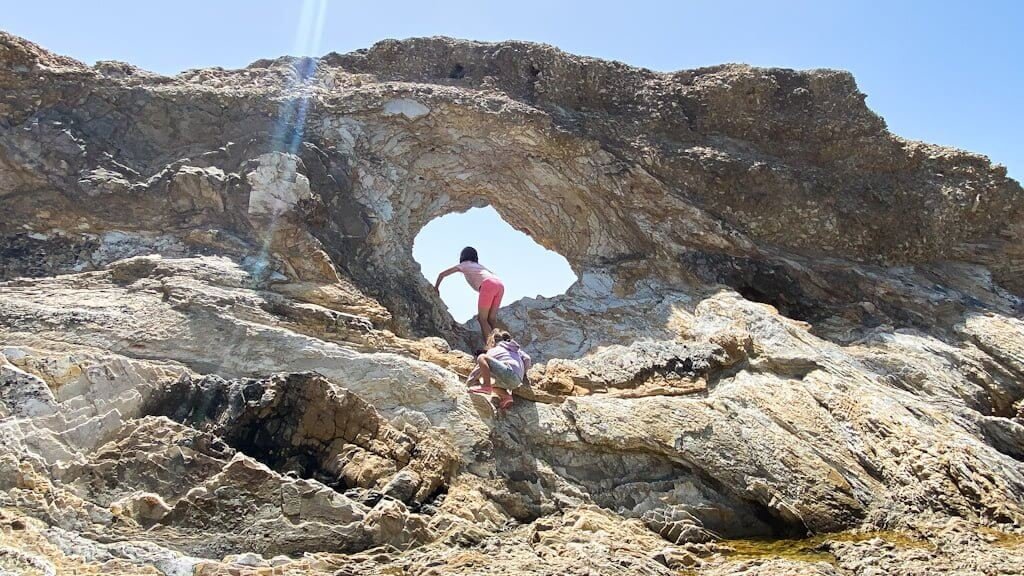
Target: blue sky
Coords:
[[949, 72]]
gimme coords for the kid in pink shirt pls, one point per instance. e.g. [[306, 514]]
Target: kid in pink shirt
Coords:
[[483, 281]]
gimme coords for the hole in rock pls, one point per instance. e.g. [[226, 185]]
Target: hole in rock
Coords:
[[457, 72], [526, 268], [772, 295], [300, 424]]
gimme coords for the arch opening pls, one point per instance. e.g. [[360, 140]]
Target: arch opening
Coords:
[[526, 268]]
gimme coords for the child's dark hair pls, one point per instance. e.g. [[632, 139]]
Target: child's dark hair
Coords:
[[468, 253]]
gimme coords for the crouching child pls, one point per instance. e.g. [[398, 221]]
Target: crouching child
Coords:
[[501, 369]]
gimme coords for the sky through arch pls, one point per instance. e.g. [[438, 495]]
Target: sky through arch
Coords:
[[526, 268]]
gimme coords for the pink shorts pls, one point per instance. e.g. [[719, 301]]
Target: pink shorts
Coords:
[[491, 291]]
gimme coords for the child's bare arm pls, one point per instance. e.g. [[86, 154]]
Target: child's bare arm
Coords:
[[442, 275]]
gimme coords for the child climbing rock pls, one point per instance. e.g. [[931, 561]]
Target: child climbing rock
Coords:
[[483, 281], [501, 369]]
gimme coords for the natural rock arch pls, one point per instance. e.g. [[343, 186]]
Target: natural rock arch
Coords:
[[728, 175], [570, 197]]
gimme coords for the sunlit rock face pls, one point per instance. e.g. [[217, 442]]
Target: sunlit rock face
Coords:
[[217, 352]]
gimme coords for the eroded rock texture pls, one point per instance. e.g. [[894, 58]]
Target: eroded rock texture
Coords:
[[217, 355]]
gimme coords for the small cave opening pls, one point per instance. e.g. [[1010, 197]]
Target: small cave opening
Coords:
[[526, 268], [458, 72], [787, 304]]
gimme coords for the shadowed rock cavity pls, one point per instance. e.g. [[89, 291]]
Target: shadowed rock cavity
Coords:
[[303, 425]]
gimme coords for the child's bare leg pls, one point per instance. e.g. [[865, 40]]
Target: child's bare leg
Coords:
[[485, 325], [492, 318], [485, 371]]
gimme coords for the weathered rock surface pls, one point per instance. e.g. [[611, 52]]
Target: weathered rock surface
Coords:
[[217, 355]]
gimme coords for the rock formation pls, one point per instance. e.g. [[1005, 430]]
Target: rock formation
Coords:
[[796, 344]]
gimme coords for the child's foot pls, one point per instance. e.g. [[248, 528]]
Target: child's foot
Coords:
[[505, 403], [480, 389]]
